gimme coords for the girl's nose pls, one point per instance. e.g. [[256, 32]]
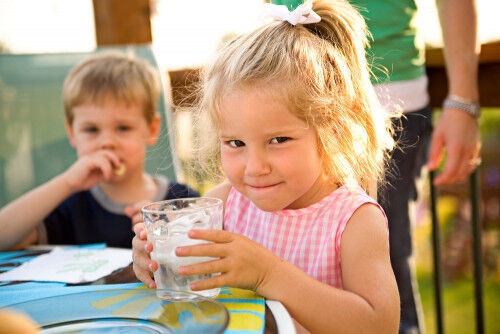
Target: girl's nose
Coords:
[[257, 163]]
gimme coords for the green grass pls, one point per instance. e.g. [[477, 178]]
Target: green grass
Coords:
[[458, 305]]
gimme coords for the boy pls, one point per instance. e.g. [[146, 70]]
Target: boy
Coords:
[[110, 105]]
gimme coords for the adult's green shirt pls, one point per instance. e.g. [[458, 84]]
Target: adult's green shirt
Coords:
[[395, 53]]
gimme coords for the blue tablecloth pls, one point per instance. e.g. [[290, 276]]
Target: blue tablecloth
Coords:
[[246, 309]]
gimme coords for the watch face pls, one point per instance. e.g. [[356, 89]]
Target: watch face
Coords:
[[471, 108]]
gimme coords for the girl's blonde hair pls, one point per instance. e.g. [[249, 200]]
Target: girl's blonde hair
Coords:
[[321, 73], [112, 75]]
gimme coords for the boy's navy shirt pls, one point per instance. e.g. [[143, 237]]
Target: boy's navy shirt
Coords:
[[81, 219]]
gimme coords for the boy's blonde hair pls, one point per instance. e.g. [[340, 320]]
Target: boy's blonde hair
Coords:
[[320, 71], [112, 75]]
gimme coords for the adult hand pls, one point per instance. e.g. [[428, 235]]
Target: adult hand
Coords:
[[91, 169], [142, 264], [134, 212], [458, 132], [242, 263]]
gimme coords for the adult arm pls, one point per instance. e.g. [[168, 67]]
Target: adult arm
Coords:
[[457, 131]]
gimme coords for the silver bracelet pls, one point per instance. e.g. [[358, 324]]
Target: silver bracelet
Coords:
[[472, 108]]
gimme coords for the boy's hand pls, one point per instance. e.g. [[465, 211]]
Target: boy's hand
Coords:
[[142, 264], [91, 169], [134, 212], [242, 263]]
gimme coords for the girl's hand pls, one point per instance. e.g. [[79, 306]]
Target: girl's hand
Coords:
[[142, 264], [91, 169], [243, 263]]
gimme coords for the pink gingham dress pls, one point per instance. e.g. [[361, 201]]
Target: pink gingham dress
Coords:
[[309, 237]]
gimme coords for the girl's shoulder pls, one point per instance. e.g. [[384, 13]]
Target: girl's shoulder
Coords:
[[220, 191]]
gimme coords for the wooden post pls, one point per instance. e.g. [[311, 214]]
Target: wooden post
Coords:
[[121, 22], [489, 76]]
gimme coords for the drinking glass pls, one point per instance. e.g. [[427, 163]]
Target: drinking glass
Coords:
[[167, 225]]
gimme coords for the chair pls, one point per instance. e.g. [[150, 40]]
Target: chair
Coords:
[[33, 144]]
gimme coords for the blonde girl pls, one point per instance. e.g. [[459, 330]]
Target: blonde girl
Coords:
[[298, 135]]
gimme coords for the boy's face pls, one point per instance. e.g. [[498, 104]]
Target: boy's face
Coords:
[[117, 127]]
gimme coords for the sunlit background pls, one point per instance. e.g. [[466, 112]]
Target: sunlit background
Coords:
[[185, 34]]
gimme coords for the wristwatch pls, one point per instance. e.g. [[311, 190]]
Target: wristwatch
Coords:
[[472, 108]]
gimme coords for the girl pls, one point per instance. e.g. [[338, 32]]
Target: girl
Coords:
[[298, 134]]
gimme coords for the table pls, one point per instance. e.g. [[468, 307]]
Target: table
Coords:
[[13, 292]]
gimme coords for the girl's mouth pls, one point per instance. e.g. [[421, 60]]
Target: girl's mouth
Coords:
[[259, 187]]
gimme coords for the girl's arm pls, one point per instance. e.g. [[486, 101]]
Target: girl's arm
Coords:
[[369, 302], [221, 192]]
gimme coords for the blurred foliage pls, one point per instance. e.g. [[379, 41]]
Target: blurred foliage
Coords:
[[458, 287], [458, 305], [4, 48]]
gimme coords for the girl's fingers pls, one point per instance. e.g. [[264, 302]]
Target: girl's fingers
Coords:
[[218, 236], [144, 277], [209, 267], [140, 254], [211, 283], [210, 250], [138, 228]]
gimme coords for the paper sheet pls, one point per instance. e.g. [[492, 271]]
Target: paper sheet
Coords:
[[71, 265]]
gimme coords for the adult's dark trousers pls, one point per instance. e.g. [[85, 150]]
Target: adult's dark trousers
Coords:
[[412, 134]]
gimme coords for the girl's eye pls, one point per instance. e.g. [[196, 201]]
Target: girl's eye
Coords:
[[124, 128], [279, 140], [236, 143]]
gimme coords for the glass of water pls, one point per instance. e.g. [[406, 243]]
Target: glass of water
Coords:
[[167, 225]]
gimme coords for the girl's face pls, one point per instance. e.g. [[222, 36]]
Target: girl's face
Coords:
[[268, 154], [116, 127]]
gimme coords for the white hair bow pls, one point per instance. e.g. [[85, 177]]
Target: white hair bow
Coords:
[[303, 14]]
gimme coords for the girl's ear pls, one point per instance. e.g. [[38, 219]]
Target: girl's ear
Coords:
[[154, 130], [69, 131]]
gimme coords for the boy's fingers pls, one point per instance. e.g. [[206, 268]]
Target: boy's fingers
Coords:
[[135, 208], [104, 166], [137, 219], [112, 157], [130, 211]]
